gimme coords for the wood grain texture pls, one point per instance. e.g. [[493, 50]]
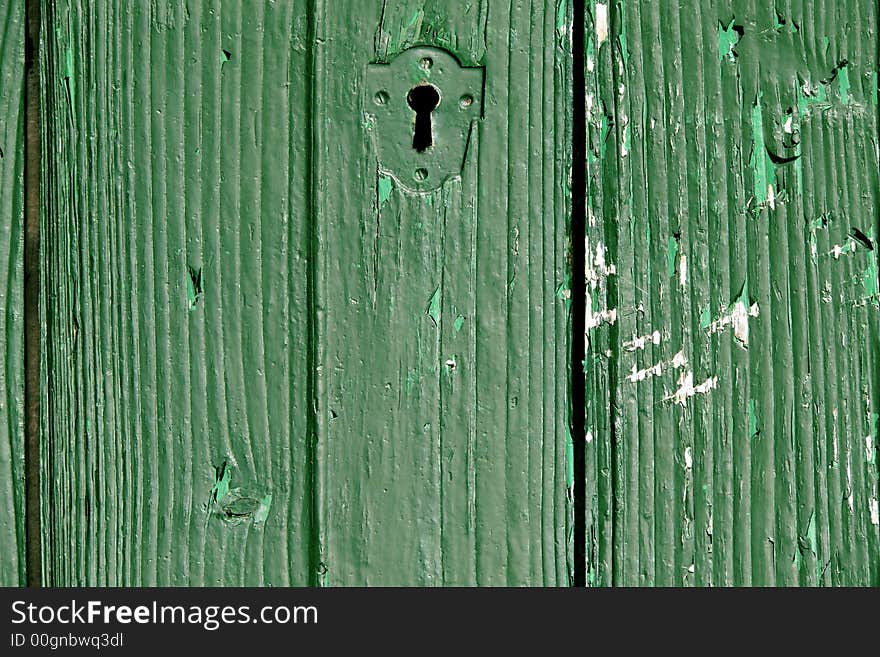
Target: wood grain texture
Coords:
[[12, 532], [230, 139], [734, 316], [176, 146], [442, 425]]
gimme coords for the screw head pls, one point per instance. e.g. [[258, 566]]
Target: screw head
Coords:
[[421, 175], [465, 101], [381, 97], [425, 63]]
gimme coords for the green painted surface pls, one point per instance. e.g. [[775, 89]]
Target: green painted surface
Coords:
[[12, 555], [268, 364], [442, 441], [737, 448], [176, 252]]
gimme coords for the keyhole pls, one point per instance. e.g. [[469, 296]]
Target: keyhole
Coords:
[[423, 99]]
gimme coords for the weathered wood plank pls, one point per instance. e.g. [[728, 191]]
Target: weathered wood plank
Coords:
[[443, 345], [734, 316], [12, 532], [176, 219]]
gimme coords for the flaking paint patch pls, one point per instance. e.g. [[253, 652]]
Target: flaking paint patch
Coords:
[[601, 21], [753, 419], [262, 511], [687, 389], [193, 287], [842, 249], [728, 37], [222, 478], [384, 187], [763, 171], [597, 318], [737, 316], [871, 281], [843, 83], [874, 510], [433, 310], [646, 373], [561, 23], [569, 458], [640, 342], [597, 268], [679, 360], [671, 255]]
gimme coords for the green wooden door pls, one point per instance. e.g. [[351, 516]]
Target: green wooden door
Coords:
[[733, 312], [266, 361]]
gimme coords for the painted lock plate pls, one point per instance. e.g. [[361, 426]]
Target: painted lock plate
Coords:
[[421, 108]]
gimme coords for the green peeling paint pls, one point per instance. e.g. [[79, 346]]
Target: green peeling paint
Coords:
[[621, 38], [705, 318], [728, 37], [671, 255], [763, 171], [753, 419], [262, 511], [779, 23], [459, 323], [870, 281], [843, 84], [222, 477], [561, 9], [433, 310], [563, 292], [807, 100], [193, 287], [384, 186], [871, 454]]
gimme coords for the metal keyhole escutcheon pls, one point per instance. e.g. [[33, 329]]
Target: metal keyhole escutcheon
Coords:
[[421, 108]]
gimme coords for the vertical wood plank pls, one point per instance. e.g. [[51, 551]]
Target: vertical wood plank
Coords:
[[12, 527], [176, 247], [734, 310], [444, 350]]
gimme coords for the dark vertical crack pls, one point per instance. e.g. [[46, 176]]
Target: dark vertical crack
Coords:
[[318, 566], [32, 127], [578, 288]]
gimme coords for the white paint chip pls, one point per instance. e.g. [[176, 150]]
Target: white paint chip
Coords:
[[640, 342], [874, 507], [679, 360], [687, 389], [601, 24], [647, 373], [738, 317]]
